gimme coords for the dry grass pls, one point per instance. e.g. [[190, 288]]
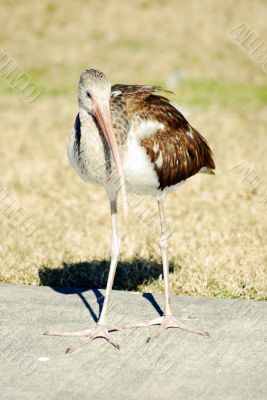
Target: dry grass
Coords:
[[218, 247]]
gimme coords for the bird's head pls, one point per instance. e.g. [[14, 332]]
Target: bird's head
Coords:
[[94, 90], [94, 96]]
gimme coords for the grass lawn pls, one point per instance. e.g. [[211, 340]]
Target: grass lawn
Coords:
[[218, 223]]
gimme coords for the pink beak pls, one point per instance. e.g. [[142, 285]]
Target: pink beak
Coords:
[[102, 114]]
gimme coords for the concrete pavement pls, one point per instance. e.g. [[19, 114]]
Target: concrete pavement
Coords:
[[229, 365]]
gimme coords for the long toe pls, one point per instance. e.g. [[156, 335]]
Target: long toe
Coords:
[[85, 332]]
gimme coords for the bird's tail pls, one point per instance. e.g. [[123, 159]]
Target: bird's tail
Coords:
[[207, 170]]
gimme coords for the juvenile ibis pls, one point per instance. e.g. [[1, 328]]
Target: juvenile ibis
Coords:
[[129, 138]]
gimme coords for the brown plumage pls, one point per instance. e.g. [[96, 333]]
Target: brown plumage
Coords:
[[181, 150]]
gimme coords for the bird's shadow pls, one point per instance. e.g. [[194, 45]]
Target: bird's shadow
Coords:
[[77, 278]]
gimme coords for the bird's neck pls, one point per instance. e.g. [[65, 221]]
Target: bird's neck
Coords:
[[86, 118]]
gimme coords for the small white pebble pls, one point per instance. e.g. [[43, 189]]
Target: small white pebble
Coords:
[[43, 358]]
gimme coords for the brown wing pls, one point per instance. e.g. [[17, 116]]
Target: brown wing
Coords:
[[177, 151], [181, 153]]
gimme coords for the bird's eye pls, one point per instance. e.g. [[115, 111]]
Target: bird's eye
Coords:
[[88, 94]]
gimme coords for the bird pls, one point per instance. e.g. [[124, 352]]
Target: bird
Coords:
[[131, 139]]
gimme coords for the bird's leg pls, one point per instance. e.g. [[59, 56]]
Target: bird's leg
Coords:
[[101, 330], [167, 320]]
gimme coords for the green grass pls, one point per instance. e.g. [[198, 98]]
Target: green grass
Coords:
[[189, 92], [225, 94]]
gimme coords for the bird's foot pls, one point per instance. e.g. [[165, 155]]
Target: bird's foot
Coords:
[[99, 331], [169, 321], [165, 322]]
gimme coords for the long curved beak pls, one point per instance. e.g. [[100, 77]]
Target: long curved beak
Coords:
[[102, 114]]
